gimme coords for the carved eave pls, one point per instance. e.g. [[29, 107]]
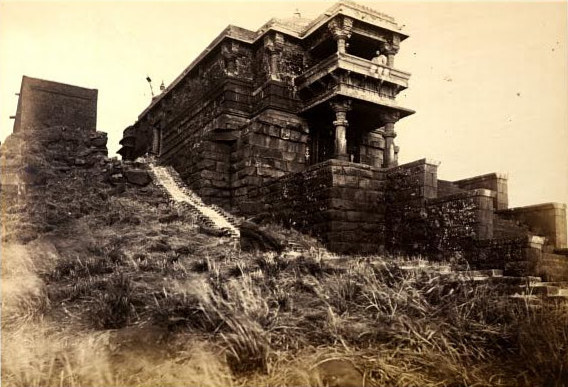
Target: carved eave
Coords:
[[345, 8], [357, 12], [373, 99], [349, 63]]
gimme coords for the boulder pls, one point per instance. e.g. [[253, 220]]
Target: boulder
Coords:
[[137, 177], [339, 373], [254, 238]]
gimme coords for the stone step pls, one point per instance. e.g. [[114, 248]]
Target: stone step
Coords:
[[210, 216], [559, 298], [538, 290], [560, 284], [530, 301], [510, 280], [441, 269], [481, 273]]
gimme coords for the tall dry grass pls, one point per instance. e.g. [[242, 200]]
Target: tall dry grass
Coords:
[[136, 296]]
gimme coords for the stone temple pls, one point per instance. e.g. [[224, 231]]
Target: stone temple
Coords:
[[296, 122]]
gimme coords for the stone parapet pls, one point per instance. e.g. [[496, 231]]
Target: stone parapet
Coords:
[[463, 215], [496, 182], [548, 220]]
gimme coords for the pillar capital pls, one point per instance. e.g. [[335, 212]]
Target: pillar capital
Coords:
[[389, 117], [340, 27], [341, 106], [388, 48]]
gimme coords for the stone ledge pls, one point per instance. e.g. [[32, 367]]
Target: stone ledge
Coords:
[[463, 195], [415, 163], [498, 175], [535, 207]]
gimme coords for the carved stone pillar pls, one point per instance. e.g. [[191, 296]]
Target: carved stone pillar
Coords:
[[389, 118], [274, 46], [341, 31], [390, 49], [376, 144], [341, 108], [156, 140], [229, 59]]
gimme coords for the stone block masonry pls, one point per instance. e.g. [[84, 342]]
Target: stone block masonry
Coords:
[[497, 182], [547, 219], [359, 208], [296, 122], [43, 104]]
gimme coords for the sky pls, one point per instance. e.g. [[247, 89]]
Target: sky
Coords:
[[489, 79]]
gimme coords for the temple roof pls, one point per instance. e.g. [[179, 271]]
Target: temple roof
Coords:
[[296, 26]]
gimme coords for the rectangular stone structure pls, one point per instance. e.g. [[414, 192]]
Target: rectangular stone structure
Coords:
[[43, 104], [496, 182], [548, 219]]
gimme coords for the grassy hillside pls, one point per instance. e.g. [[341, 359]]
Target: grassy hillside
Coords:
[[112, 285]]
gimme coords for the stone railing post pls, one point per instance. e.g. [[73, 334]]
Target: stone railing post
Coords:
[[341, 108], [389, 119]]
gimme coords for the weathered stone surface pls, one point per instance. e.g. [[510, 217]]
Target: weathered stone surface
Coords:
[[99, 140], [258, 126], [137, 176], [47, 104], [253, 238]]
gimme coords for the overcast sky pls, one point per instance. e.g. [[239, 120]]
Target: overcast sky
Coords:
[[489, 79]]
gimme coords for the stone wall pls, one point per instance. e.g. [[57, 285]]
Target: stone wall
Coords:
[[339, 202], [44, 174], [551, 267], [496, 182], [43, 104], [454, 222], [547, 219], [357, 208], [300, 200], [408, 187], [516, 256], [272, 145]]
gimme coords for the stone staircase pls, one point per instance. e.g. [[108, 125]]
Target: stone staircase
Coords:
[[526, 288], [209, 215]]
